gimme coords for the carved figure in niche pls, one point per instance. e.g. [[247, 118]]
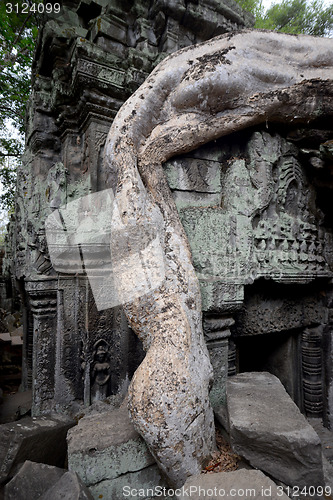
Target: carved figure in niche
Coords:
[[101, 371], [57, 185], [55, 195]]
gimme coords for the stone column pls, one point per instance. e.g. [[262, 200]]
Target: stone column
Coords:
[[328, 362], [43, 303], [312, 371], [217, 333]]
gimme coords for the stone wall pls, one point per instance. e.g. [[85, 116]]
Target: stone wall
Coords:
[[255, 207], [89, 60]]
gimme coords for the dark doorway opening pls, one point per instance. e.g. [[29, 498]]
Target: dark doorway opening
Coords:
[[276, 353]]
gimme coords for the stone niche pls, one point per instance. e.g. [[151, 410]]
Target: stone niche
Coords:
[[89, 59], [255, 206]]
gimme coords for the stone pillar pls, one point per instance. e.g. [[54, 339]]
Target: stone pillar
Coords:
[[232, 358], [328, 363], [217, 333], [27, 347], [43, 303], [312, 366]]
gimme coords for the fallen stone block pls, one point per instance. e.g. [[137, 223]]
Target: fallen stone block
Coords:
[[5, 337], [68, 487], [251, 484], [141, 484], [15, 406], [108, 454], [32, 480], [267, 428], [105, 446], [39, 439]]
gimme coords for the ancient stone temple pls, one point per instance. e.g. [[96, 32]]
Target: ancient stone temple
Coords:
[[208, 192], [254, 205], [90, 58], [265, 275]]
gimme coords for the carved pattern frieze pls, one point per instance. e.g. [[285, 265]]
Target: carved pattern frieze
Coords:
[[289, 239], [267, 224], [99, 72], [100, 140], [312, 363]]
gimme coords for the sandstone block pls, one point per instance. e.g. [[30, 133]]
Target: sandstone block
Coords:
[[40, 440], [141, 484], [267, 428], [237, 484], [68, 487], [32, 481], [105, 446]]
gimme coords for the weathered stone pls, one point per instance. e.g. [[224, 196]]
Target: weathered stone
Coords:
[[187, 174], [40, 440], [153, 126], [267, 428], [15, 407], [237, 484], [272, 226], [218, 353], [146, 480], [213, 324], [91, 57], [32, 481], [68, 487], [105, 446]]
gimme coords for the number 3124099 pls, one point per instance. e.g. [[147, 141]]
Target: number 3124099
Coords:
[[25, 8]]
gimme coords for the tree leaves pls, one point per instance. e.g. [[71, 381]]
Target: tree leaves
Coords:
[[293, 16], [298, 16], [18, 34]]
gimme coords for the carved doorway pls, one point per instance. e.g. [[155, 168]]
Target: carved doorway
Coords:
[[277, 353], [280, 329]]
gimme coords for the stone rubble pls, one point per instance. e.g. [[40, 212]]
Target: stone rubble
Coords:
[[268, 430], [41, 439]]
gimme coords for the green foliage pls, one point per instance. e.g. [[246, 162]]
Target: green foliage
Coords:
[[8, 169], [298, 16], [293, 16], [254, 6], [18, 34]]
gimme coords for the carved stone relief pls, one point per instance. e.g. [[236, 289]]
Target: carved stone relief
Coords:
[[92, 56], [100, 371], [265, 212], [247, 204], [263, 222]]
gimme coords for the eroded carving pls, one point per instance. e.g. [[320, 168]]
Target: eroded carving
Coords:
[[179, 107], [101, 371]]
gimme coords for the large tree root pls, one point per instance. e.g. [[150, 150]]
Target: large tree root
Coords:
[[195, 95]]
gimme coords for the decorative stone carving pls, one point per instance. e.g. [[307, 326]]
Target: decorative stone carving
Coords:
[[44, 314], [91, 57], [312, 367], [217, 335], [150, 128], [101, 371]]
